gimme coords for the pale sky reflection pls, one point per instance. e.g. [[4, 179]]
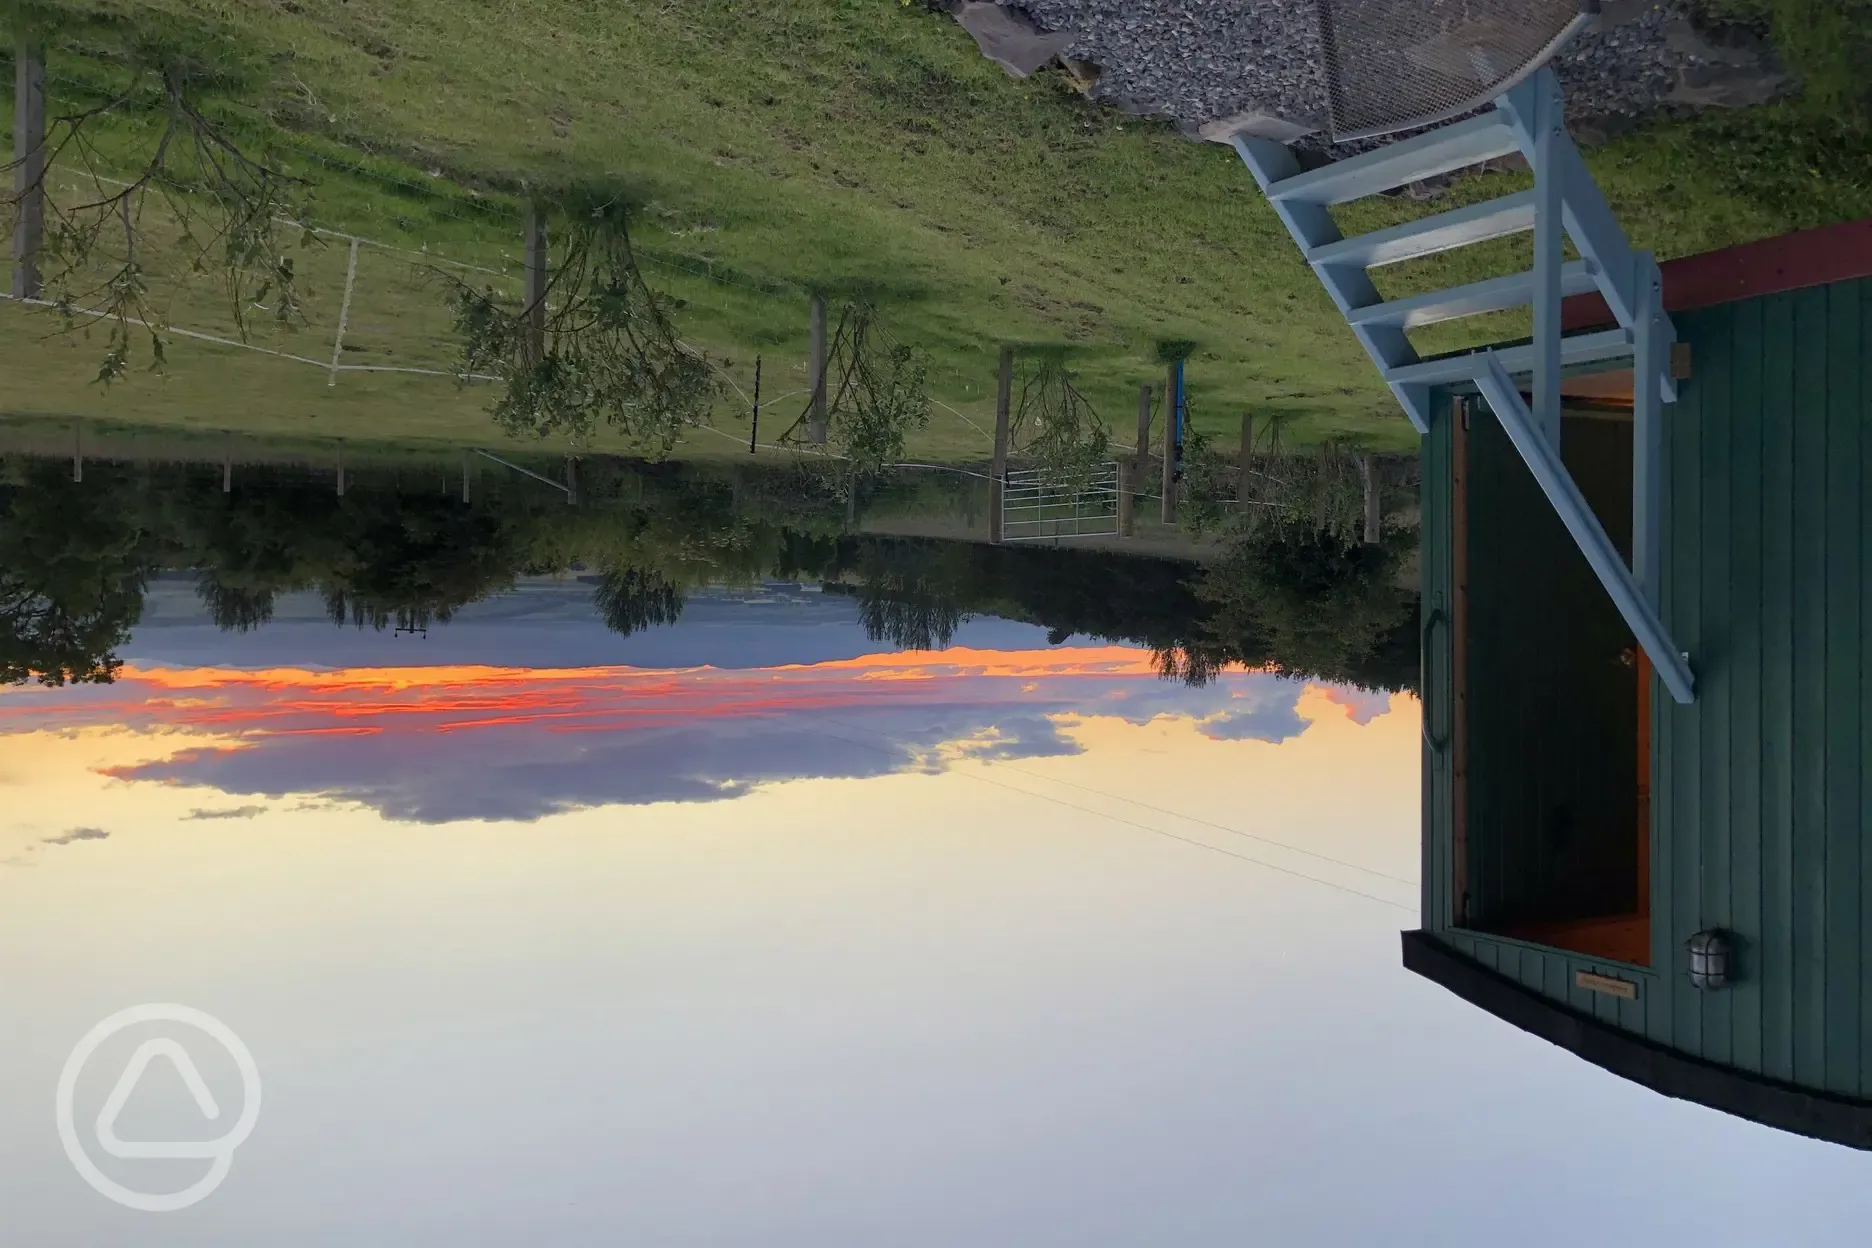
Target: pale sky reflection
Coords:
[[1092, 997]]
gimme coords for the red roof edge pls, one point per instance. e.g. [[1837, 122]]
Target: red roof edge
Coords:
[[1832, 253]]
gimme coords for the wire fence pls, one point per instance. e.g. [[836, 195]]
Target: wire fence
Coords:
[[371, 303], [367, 305], [376, 306]]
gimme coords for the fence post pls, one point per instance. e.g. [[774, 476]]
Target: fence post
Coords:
[[571, 481], [816, 421], [464, 478], [344, 313], [227, 466], [77, 451], [1247, 459], [1144, 424], [537, 277], [340, 469], [29, 107], [997, 487], [1374, 502], [1126, 523], [1170, 438], [753, 437]]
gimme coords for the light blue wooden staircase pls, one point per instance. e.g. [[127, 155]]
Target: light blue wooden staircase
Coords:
[[1565, 203]]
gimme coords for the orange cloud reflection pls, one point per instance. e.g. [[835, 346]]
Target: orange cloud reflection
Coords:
[[295, 701]]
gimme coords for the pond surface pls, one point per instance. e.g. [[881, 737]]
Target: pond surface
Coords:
[[680, 868]]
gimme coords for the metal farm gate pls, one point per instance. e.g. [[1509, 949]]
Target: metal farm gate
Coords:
[[1034, 509]]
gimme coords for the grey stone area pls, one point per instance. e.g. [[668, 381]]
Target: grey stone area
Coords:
[[1221, 66]]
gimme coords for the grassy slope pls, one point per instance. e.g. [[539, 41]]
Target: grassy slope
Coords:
[[841, 145]]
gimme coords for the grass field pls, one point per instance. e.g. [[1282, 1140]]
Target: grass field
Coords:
[[843, 146]]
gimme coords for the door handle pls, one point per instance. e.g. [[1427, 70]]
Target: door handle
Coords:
[[1437, 741]]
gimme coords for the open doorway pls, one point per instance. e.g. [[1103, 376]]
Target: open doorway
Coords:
[[1553, 806]]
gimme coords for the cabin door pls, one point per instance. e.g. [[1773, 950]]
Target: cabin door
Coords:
[[1553, 815]]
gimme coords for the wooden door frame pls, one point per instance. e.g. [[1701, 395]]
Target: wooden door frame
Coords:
[[1459, 661], [1645, 683]]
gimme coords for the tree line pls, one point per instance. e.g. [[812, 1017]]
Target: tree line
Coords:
[[400, 550]]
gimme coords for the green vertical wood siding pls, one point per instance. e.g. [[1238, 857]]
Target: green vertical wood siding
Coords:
[[1552, 973], [1762, 788], [1768, 571], [1849, 659]]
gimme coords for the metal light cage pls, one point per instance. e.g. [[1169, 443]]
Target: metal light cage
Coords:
[[1712, 958], [1401, 64]]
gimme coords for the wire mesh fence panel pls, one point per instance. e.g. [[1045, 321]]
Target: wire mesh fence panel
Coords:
[[1398, 64], [360, 305], [361, 321], [1034, 509], [402, 312]]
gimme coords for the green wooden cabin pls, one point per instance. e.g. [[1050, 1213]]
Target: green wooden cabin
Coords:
[[1580, 826]]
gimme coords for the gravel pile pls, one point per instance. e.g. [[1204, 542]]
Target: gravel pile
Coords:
[[1205, 60]]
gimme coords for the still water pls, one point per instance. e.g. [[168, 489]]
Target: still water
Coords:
[[660, 873]]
